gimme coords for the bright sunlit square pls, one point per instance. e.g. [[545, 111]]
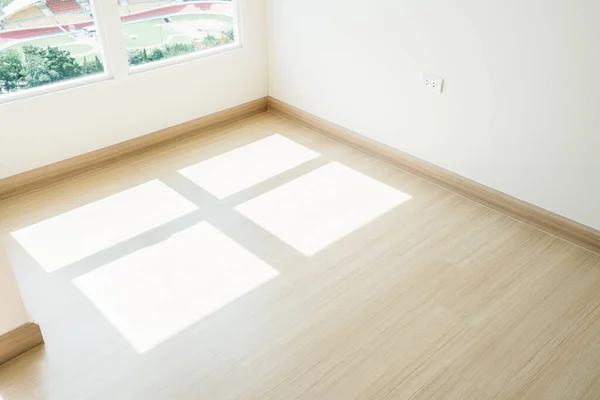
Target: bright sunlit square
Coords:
[[82, 232], [155, 293], [321, 207], [239, 169]]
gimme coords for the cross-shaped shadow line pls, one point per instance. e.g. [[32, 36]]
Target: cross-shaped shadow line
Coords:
[[220, 213]]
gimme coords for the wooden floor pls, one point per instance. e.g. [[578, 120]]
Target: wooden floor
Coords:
[[345, 278]]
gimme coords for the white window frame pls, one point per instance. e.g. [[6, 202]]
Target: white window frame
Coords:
[[114, 53], [237, 44]]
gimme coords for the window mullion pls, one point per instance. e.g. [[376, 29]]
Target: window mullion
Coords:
[[111, 34]]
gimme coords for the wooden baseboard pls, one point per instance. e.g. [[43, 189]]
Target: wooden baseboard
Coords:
[[19, 341], [530, 214], [50, 174]]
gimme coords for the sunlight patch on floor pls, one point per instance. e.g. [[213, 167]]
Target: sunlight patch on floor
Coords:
[[155, 293], [82, 232], [239, 169], [319, 208]]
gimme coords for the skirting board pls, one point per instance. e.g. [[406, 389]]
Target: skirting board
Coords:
[[530, 214], [50, 174], [20, 341]]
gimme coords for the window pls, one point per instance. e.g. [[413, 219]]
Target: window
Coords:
[[43, 42], [159, 29]]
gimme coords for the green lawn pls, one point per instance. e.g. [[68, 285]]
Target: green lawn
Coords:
[[143, 34], [54, 40], [154, 32], [77, 49]]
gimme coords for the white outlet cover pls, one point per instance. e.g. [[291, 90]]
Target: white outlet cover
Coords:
[[433, 83]]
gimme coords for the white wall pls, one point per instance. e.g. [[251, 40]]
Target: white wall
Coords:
[[521, 107], [12, 311], [35, 131]]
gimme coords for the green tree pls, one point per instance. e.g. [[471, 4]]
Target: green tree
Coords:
[[156, 54], [43, 66], [92, 67], [210, 41], [11, 70], [40, 66], [136, 57], [229, 36], [177, 49], [36, 67], [62, 65]]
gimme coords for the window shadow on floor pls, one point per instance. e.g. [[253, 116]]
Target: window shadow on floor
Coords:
[[160, 257]]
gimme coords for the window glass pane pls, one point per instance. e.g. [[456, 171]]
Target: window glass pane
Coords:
[[160, 29], [46, 41]]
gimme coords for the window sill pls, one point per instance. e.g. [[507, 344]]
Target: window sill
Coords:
[[53, 88]]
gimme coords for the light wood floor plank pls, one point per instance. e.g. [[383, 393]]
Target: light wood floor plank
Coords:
[[435, 298]]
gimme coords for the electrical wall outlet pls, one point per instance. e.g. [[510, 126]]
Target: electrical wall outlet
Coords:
[[433, 83]]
